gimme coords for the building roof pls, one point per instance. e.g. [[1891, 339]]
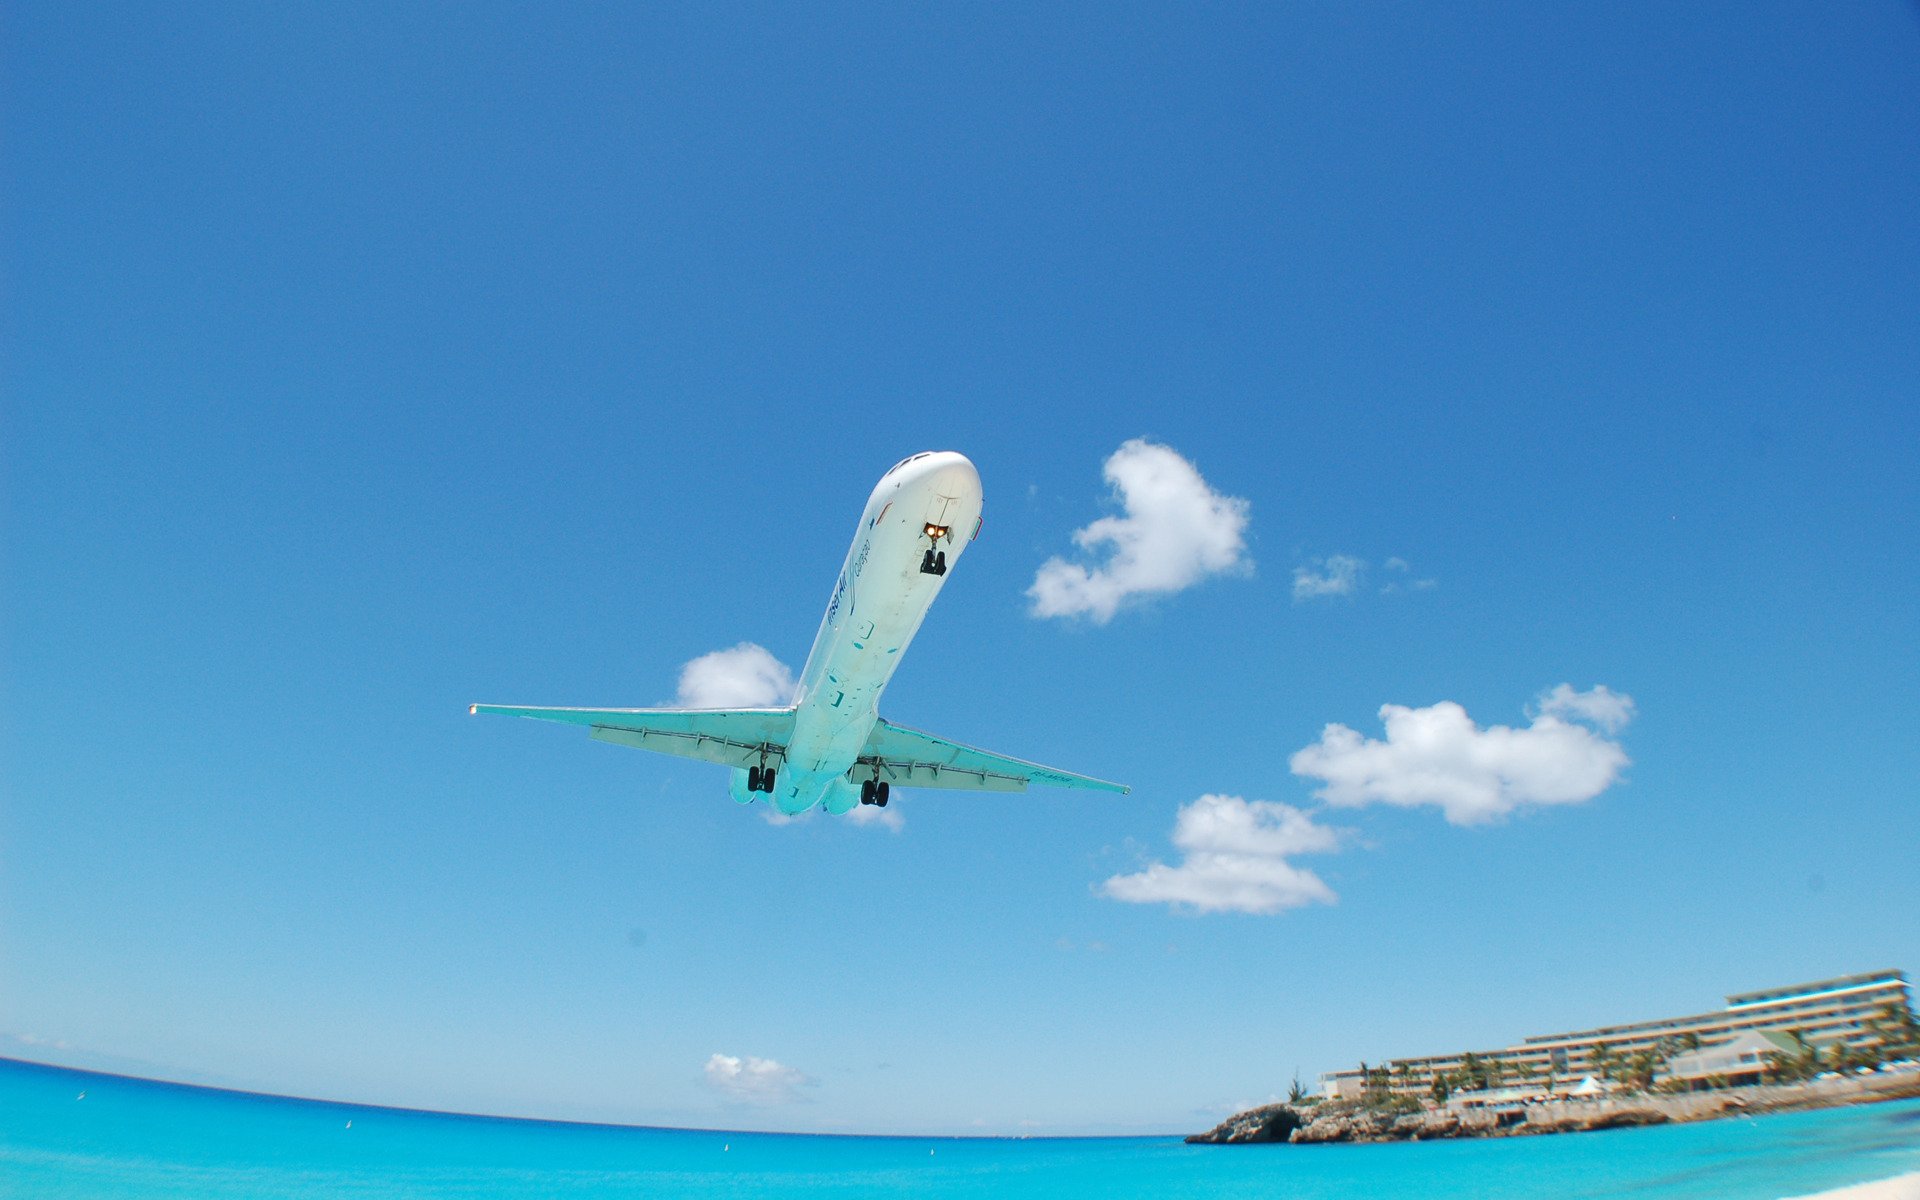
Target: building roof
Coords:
[[1741, 1054], [1818, 987]]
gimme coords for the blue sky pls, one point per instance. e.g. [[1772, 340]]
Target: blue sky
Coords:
[[366, 362]]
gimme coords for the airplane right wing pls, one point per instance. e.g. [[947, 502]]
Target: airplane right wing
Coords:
[[914, 759]]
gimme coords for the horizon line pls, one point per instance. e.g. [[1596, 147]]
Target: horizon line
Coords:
[[584, 1124]]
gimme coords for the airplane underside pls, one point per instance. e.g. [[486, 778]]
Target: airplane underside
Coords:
[[830, 747]]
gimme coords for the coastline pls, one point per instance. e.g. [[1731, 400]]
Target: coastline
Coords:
[[1355, 1121], [1900, 1187]]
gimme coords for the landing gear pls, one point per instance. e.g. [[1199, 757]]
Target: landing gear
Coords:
[[874, 792], [934, 561], [760, 779]]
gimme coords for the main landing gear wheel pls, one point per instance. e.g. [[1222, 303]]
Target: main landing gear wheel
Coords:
[[753, 779], [866, 791], [880, 791]]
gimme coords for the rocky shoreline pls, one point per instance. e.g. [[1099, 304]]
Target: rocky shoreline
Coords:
[[1356, 1121]]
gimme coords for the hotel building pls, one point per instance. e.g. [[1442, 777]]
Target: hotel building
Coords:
[[1823, 1012]]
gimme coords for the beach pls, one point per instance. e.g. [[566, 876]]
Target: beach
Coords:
[[1900, 1187]]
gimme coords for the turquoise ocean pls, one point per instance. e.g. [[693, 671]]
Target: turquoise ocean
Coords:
[[131, 1137]]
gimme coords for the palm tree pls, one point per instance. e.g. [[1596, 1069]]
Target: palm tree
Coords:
[[1800, 1063], [1473, 1070], [1895, 1032], [1600, 1060], [1641, 1068]]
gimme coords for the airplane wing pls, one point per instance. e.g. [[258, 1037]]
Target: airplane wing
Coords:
[[914, 759], [734, 737]]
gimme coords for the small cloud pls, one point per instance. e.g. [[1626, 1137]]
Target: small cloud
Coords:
[[865, 816], [1438, 756], [1234, 859], [1334, 575], [880, 818], [1175, 532], [754, 1080], [1402, 580], [1602, 706], [746, 676]]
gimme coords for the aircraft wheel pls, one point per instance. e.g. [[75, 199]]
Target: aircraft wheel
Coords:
[[940, 563], [753, 779], [766, 780], [866, 791], [880, 791]]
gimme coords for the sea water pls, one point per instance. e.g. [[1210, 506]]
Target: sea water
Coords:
[[131, 1137]]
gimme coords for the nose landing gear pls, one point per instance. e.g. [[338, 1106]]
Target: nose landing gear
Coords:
[[934, 561]]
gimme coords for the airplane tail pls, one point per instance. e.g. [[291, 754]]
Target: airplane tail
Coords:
[[842, 797]]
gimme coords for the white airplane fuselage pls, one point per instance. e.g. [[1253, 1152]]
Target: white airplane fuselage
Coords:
[[928, 504]]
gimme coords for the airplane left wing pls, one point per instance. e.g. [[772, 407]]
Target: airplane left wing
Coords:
[[914, 759], [734, 737]]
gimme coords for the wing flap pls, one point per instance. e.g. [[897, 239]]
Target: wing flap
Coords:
[[733, 737], [915, 759]]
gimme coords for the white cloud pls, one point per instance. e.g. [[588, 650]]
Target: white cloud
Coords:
[[1334, 575], [1402, 580], [747, 676], [865, 816], [1234, 860], [873, 814], [1438, 756], [1602, 706], [1176, 531], [754, 1080]]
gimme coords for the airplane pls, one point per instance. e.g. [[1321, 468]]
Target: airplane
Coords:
[[831, 747]]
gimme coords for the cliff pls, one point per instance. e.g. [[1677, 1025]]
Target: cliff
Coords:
[[1400, 1119]]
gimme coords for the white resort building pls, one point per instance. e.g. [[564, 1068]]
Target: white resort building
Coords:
[[1823, 1013]]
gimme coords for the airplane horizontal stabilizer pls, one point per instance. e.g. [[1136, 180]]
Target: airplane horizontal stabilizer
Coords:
[[914, 759], [734, 737]]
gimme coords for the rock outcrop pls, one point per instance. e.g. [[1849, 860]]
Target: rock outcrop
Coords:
[[1268, 1123], [1402, 1119]]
